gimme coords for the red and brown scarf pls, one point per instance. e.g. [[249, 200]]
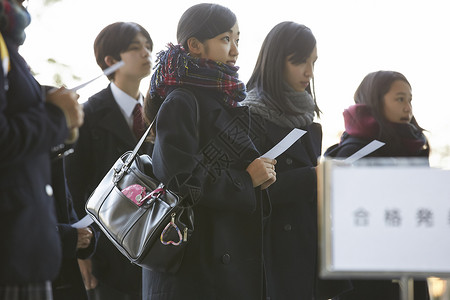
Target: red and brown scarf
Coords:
[[174, 67]]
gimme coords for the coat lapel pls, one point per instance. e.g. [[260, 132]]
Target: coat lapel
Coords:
[[233, 125]]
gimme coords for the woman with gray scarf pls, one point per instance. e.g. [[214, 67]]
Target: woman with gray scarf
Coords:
[[280, 99]]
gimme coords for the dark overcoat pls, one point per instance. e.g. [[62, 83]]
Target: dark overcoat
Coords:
[[293, 222], [68, 285], [30, 249], [292, 236], [104, 137], [224, 257]]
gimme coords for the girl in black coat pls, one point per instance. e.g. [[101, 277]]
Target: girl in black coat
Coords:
[[383, 111], [280, 100], [212, 160], [30, 126]]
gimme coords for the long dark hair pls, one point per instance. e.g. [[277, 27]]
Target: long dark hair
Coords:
[[202, 21], [284, 40], [371, 92]]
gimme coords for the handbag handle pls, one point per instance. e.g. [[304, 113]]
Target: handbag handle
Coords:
[[126, 165], [133, 154]]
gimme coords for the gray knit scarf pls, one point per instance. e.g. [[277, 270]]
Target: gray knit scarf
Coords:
[[301, 105]]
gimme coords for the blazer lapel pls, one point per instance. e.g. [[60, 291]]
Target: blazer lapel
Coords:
[[112, 120]]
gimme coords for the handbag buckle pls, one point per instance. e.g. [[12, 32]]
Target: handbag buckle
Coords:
[[155, 194], [118, 174]]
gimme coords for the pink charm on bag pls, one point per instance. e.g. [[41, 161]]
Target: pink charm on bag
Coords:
[[135, 193]]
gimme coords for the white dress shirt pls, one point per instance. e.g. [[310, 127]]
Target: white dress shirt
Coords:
[[126, 103]]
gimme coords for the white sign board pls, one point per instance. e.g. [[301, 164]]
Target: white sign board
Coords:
[[384, 221]]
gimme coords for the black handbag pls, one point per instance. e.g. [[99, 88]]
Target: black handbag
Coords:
[[148, 223]]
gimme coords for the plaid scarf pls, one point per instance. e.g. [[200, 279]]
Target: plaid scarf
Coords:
[[14, 18], [174, 67]]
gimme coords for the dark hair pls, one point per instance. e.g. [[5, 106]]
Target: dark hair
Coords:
[[371, 92], [115, 39], [204, 21], [284, 40]]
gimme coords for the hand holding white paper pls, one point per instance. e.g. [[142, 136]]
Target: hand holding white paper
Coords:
[[284, 144], [85, 222]]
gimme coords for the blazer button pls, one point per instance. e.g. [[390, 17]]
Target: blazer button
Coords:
[[226, 258], [49, 190], [289, 161], [287, 227]]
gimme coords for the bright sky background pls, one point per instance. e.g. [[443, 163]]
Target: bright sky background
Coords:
[[354, 37]]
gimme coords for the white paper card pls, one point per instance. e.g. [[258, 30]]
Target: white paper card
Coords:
[[366, 150], [85, 222], [285, 143], [106, 72]]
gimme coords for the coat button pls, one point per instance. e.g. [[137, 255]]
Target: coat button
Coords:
[[226, 259], [287, 227], [289, 161], [49, 190], [238, 184]]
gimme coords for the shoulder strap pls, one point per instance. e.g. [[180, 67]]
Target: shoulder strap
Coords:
[[133, 154]]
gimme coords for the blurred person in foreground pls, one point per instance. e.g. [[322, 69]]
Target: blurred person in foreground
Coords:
[[31, 124]]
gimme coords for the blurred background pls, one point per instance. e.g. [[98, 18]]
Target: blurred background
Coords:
[[354, 38]]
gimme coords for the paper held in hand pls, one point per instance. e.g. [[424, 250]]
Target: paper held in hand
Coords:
[[85, 222], [285, 143], [366, 150], [106, 72]]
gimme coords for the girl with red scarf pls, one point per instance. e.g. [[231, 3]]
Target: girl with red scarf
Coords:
[[383, 111]]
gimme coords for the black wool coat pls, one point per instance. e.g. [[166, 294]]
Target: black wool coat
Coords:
[[292, 236], [104, 137], [30, 249], [224, 257]]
